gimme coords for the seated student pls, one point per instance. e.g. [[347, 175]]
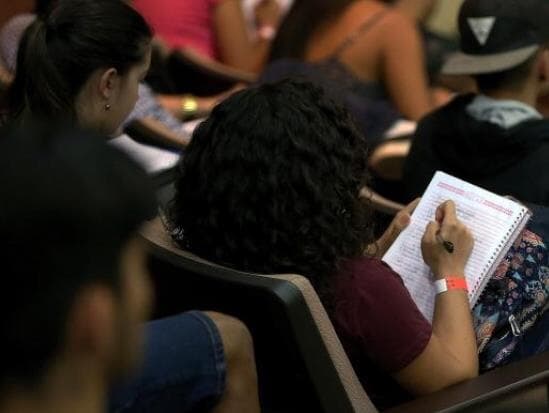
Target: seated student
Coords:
[[367, 54], [270, 183], [79, 290], [495, 139], [66, 199], [377, 44], [148, 108], [214, 28], [95, 86]]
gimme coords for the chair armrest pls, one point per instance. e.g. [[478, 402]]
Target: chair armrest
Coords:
[[380, 203], [487, 387], [387, 159]]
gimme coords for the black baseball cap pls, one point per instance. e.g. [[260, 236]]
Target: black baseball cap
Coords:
[[497, 35]]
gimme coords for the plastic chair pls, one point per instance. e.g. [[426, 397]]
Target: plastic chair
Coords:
[[379, 202], [387, 158], [301, 364]]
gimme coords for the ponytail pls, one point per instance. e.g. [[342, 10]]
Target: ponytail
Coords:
[[38, 87], [59, 53]]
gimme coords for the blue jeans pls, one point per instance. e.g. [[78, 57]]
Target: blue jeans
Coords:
[[183, 369]]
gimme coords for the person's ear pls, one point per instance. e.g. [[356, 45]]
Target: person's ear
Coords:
[[108, 83], [91, 325]]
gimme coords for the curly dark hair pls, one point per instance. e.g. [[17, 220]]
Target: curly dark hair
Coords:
[[270, 183]]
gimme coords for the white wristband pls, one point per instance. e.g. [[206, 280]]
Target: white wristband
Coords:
[[440, 286]]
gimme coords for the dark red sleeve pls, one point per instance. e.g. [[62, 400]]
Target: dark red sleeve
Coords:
[[375, 310]]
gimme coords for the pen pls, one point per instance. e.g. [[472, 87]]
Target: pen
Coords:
[[448, 246]]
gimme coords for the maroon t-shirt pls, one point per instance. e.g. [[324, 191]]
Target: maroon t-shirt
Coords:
[[379, 325]]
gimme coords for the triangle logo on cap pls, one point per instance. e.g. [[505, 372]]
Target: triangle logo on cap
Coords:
[[481, 27]]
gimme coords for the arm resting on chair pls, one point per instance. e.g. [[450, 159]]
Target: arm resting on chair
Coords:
[[491, 386], [152, 132], [214, 68]]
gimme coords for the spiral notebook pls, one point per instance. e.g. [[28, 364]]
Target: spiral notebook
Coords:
[[495, 222]]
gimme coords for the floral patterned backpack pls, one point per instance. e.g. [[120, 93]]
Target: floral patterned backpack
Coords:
[[513, 301]]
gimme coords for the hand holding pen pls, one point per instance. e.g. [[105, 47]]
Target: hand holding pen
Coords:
[[447, 243]]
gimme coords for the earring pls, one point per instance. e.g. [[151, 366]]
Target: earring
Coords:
[[107, 107]]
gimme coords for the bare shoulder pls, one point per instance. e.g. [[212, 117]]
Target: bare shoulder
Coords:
[[398, 23], [393, 20], [361, 10]]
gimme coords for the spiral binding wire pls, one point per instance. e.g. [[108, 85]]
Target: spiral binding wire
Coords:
[[496, 253]]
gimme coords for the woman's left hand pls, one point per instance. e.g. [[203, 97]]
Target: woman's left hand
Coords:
[[399, 223]]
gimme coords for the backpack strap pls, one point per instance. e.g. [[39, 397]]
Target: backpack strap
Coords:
[[362, 29]]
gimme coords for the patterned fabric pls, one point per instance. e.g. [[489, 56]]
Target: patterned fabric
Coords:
[[147, 106], [516, 296]]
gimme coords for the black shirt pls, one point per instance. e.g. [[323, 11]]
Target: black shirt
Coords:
[[512, 161]]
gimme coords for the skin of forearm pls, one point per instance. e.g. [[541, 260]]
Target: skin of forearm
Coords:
[[453, 326], [253, 60], [164, 135]]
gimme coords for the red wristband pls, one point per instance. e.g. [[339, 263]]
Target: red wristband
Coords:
[[451, 283]]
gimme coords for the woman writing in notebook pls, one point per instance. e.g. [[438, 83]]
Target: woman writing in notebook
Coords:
[[271, 183]]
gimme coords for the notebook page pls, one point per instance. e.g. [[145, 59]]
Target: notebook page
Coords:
[[152, 159], [521, 224], [490, 217]]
